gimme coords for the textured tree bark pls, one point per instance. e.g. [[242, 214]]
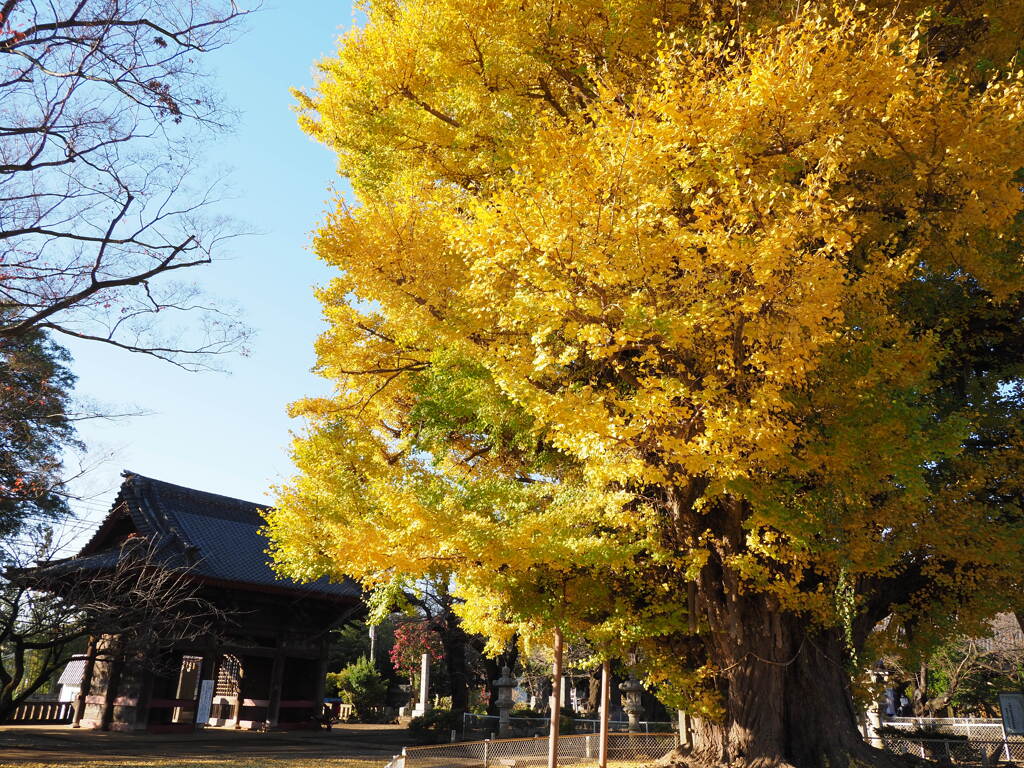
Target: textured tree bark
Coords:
[[784, 683], [594, 690], [793, 710], [455, 640]]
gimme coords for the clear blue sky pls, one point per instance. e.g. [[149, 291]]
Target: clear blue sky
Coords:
[[229, 433]]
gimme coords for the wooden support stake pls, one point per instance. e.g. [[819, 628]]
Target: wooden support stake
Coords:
[[606, 698], [556, 701]]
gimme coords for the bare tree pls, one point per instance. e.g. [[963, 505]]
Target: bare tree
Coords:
[[965, 673], [128, 595], [103, 104]]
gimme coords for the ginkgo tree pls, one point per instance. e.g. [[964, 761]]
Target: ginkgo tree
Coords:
[[693, 327]]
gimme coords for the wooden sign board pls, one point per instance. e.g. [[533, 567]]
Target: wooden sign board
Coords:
[[205, 703], [1012, 707]]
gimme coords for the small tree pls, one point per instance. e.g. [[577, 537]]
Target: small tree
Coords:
[[36, 429], [361, 685], [412, 640]]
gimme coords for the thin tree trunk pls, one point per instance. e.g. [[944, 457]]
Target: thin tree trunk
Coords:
[[594, 690]]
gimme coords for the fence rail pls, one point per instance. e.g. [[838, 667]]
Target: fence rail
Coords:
[[508, 753], [989, 729], [483, 725]]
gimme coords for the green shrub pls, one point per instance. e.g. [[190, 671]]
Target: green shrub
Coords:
[[435, 727], [527, 712], [567, 721], [362, 686]]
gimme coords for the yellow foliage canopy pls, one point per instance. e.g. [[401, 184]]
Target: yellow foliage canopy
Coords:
[[640, 295]]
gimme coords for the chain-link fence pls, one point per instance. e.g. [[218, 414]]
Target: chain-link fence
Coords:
[[975, 729], [482, 726], [507, 753], [955, 751]]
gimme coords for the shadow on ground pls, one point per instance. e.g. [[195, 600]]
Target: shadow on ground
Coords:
[[358, 745]]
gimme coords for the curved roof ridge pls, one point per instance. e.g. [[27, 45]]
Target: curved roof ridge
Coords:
[[218, 537]]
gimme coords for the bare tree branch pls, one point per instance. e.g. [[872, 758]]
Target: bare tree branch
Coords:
[[103, 106]]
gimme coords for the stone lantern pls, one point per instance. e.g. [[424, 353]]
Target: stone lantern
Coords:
[[504, 686], [632, 707]]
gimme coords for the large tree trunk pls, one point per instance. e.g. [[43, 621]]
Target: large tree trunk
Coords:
[[787, 703], [455, 640], [784, 683]]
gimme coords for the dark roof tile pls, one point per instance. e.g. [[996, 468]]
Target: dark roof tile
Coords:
[[217, 536]]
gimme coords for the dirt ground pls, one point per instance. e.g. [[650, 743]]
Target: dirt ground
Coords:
[[345, 746]]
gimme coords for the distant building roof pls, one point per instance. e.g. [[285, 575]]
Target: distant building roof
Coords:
[[217, 537], [72, 674]]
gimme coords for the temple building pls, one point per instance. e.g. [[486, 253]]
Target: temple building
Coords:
[[265, 667]]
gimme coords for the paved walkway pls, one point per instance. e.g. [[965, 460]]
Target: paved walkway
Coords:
[[62, 745]]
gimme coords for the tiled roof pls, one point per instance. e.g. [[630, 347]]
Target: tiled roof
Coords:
[[72, 674], [216, 536]]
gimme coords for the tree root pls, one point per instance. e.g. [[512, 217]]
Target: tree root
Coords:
[[683, 757]]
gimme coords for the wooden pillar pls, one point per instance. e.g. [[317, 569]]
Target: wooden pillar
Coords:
[[320, 684], [556, 700], [276, 679], [113, 683], [238, 702], [85, 687], [606, 700], [145, 696]]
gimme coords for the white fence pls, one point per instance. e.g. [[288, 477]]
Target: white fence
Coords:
[[575, 749], [976, 728], [971, 741]]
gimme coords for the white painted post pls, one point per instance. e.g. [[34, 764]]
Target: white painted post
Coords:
[[423, 706]]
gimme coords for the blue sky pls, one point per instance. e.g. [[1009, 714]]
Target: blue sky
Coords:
[[229, 433]]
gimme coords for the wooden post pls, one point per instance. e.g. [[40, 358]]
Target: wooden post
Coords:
[[320, 686], [238, 700], [85, 687], [110, 694], [145, 696], [556, 700], [276, 681], [606, 700]]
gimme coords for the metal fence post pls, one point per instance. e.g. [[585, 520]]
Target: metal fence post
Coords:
[[487, 751]]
